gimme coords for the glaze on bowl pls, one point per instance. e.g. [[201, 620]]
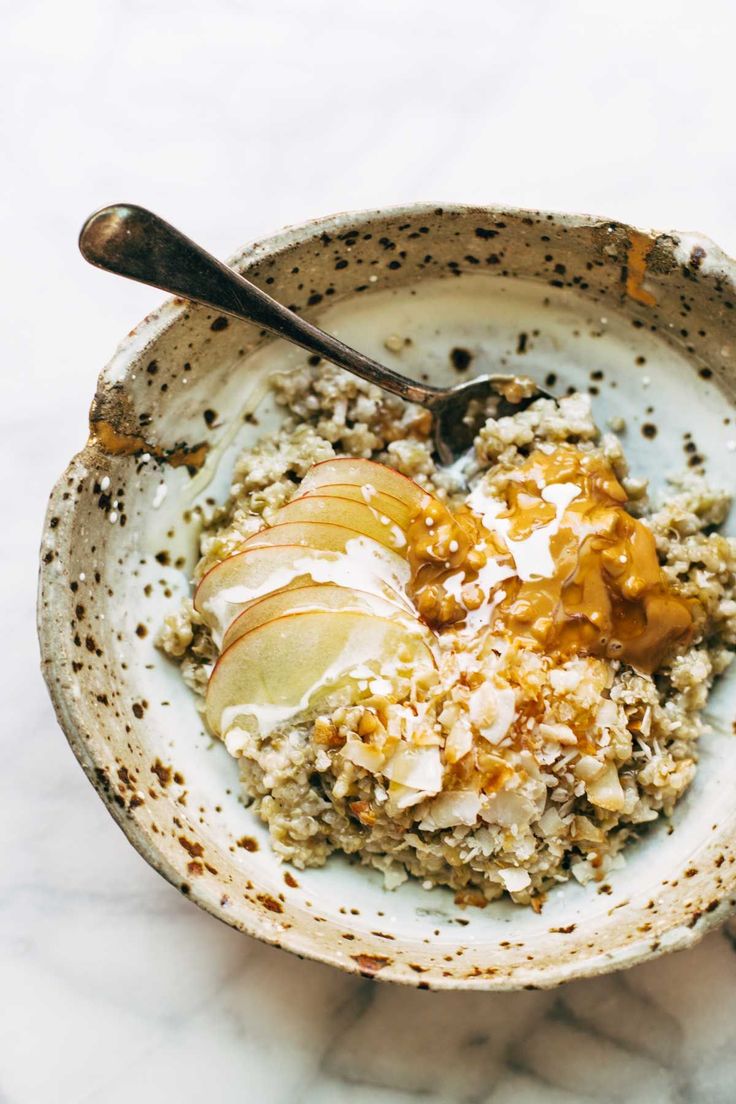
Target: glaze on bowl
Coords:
[[643, 320]]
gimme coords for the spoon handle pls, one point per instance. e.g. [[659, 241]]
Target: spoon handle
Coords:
[[131, 241]]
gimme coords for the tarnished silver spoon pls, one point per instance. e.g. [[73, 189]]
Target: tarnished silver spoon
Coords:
[[131, 241]]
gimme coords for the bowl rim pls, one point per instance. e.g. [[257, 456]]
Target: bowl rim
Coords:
[[132, 346]]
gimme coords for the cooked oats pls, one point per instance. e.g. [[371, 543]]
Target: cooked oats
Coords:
[[534, 767]]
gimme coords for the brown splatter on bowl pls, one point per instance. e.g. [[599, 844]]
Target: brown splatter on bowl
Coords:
[[645, 321]]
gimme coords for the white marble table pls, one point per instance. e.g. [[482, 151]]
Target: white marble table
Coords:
[[234, 118]]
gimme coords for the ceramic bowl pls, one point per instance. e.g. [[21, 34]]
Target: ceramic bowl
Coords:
[[645, 321]]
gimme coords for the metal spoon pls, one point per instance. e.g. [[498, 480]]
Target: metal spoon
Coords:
[[131, 241]]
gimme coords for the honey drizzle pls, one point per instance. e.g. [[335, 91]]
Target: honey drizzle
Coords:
[[607, 595]]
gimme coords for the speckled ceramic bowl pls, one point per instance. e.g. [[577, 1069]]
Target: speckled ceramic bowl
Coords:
[[644, 321]]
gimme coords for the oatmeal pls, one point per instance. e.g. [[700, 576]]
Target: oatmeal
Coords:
[[490, 676]]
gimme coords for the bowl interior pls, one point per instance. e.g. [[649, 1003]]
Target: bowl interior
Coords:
[[119, 550]]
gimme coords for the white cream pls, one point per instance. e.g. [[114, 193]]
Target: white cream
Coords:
[[396, 535], [532, 556], [489, 576], [454, 584], [349, 665], [364, 565], [482, 618], [268, 716]]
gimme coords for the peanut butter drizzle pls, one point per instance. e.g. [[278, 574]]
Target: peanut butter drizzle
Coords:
[[116, 443], [607, 595], [440, 544], [636, 268]]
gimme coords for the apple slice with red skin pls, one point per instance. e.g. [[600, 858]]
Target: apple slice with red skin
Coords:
[[277, 671], [367, 473], [235, 582], [313, 596], [323, 535], [385, 504], [358, 516]]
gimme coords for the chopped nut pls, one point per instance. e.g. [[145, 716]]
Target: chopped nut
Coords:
[[367, 724], [327, 734], [364, 813]]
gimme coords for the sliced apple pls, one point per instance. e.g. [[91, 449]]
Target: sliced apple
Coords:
[[384, 504], [313, 596], [277, 671], [233, 584], [358, 516], [366, 473], [327, 536]]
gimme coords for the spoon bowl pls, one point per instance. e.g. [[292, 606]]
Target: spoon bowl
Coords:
[[130, 241]]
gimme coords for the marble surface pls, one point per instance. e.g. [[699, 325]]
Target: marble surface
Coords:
[[234, 118]]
